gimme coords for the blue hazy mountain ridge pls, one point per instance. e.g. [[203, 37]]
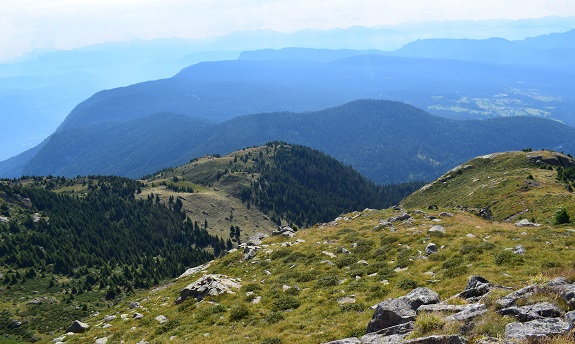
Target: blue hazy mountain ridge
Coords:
[[384, 140], [220, 90], [109, 65], [555, 51], [38, 91]]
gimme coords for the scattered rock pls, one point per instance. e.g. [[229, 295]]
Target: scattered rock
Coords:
[[102, 340], [538, 328], [138, 315], [436, 229], [329, 254], [78, 327], [402, 217], [353, 340], [519, 250], [446, 339], [346, 299], [526, 223], [472, 311], [208, 285], [485, 213], [109, 318], [285, 231], [431, 248], [400, 310], [510, 299], [476, 286], [445, 214], [106, 326], [161, 319], [194, 270], [134, 304], [532, 312]]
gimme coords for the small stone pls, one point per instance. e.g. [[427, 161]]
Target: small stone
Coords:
[[102, 340], [431, 248], [138, 315], [436, 229], [161, 319]]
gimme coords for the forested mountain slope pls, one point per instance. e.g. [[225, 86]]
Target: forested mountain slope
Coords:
[[386, 141]]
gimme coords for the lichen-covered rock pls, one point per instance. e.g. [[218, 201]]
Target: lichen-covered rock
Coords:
[[437, 229], [476, 286], [393, 312], [208, 285], [447, 339], [539, 328], [532, 312]]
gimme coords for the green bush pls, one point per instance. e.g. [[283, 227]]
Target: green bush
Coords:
[[346, 260], [272, 341], [285, 302], [239, 312], [274, 317], [561, 217], [507, 258], [407, 283], [328, 281]]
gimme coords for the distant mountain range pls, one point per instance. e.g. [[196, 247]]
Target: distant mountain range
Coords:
[[385, 141], [461, 79], [38, 90]]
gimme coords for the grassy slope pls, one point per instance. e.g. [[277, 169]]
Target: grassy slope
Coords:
[[213, 200], [502, 182], [471, 246]]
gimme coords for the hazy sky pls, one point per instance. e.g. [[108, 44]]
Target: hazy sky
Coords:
[[64, 24]]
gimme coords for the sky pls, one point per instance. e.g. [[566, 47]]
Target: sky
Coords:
[[27, 25]]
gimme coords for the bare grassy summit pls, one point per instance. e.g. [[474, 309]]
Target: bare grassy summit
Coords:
[[514, 185]]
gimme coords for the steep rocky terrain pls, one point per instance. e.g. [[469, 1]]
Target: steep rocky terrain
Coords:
[[344, 278]]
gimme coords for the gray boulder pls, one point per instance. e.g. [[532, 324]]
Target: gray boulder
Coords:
[[510, 299], [390, 313], [437, 229], [208, 285], [538, 328], [373, 338], [421, 296], [352, 340], [78, 327], [519, 250], [476, 286], [431, 248], [570, 318], [471, 312], [453, 339], [393, 312], [532, 312], [401, 217]]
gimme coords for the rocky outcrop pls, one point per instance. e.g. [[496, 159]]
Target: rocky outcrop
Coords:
[[532, 312], [539, 328], [526, 223], [78, 327], [285, 231], [208, 285], [477, 286], [394, 319], [393, 312]]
